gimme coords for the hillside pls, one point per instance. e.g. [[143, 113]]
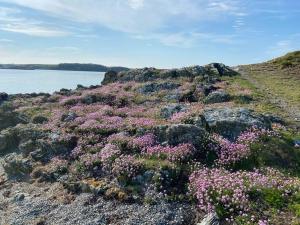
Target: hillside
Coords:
[[278, 82], [153, 146], [63, 66]]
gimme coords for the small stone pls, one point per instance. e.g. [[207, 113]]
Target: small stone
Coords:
[[19, 197]]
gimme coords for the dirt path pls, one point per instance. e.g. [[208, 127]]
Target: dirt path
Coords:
[[291, 112]]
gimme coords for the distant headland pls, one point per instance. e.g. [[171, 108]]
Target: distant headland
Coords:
[[64, 66]]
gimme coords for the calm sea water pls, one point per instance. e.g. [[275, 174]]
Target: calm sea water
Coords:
[[48, 81]]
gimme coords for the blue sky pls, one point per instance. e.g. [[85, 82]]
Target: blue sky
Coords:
[[138, 33]]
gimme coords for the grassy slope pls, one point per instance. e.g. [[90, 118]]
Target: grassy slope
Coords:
[[276, 85]]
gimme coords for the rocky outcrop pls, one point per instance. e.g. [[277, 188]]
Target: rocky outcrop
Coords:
[[10, 118], [3, 97], [208, 72], [110, 77], [217, 97], [167, 111], [12, 138], [182, 133], [17, 167], [186, 133], [230, 122], [154, 87], [220, 69]]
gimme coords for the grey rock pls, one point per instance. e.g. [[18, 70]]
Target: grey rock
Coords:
[[210, 219], [230, 122], [71, 116], [209, 72], [17, 167], [217, 97], [12, 138], [167, 111], [10, 118], [19, 197], [186, 133], [155, 87], [220, 69]]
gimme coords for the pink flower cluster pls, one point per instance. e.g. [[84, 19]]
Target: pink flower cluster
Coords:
[[126, 165], [144, 141], [178, 153], [232, 152], [215, 188], [109, 153]]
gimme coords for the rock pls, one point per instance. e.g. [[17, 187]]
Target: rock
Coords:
[[110, 77], [8, 141], [71, 116], [217, 97], [155, 87], [274, 118], [220, 69], [230, 122], [161, 132], [3, 97], [39, 119], [10, 118], [186, 133], [19, 197], [14, 139], [209, 73], [17, 167], [210, 219], [167, 111], [64, 92]]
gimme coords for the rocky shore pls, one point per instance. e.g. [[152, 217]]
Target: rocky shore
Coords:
[[148, 146]]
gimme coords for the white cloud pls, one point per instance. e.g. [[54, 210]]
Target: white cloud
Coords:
[[135, 16], [32, 30], [12, 21]]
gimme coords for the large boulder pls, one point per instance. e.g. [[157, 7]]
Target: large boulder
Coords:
[[220, 69], [230, 122], [217, 97], [182, 133]]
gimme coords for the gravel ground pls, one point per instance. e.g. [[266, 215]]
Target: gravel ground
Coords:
[[39, 204]]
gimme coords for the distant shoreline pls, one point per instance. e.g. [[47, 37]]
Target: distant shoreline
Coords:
[[64, 67]]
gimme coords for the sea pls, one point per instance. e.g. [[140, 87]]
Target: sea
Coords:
[[46, 81]]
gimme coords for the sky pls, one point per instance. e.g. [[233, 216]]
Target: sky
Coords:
[[140, 33]]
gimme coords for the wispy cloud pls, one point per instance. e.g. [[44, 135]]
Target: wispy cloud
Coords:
[[136, 16], [11, 20]]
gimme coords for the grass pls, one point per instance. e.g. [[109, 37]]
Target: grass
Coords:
[[241, 89], [289, 60]]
